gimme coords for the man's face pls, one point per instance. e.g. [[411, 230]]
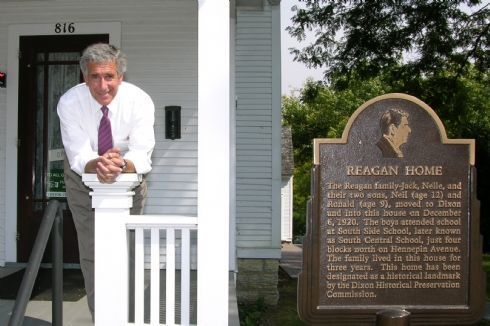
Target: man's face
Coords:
[[103, 81], [402, 132]]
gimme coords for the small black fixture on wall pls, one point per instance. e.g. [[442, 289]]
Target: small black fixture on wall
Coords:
[[3, 79], [172, 122]]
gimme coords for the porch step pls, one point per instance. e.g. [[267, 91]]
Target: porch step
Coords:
[[76, 313], [9, 270], [38, 313]]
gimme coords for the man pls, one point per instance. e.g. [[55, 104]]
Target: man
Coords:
[[395, 130], [107, 129]]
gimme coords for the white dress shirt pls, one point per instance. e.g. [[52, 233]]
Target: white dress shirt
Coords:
[[132, 115]]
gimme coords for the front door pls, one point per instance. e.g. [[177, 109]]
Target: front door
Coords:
[[48, 66]]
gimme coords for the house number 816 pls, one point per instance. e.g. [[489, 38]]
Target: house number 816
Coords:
[[63, 28]]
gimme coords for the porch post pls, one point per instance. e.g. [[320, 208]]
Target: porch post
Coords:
[[111, 203], [213, 161]]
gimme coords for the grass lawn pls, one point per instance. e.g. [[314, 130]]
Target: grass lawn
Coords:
[[285, 313]]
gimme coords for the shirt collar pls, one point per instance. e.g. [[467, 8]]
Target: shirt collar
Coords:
[[96, 105]]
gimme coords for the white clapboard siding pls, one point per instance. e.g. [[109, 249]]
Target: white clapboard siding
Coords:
[[160, 40], [253, 56]]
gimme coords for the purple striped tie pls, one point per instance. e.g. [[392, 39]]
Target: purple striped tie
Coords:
[[105, 132]]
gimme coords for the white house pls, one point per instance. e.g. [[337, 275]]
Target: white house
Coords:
[[179, 51]]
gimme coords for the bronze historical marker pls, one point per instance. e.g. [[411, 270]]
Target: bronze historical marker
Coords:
[[393, 222]]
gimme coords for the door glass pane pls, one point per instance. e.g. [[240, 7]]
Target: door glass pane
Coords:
[[61, 78], [38, 134], [64, 56]]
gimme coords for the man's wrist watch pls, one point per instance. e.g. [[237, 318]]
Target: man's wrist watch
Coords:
[[124, 165]]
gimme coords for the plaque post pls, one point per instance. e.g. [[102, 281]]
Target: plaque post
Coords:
[[393, 317]]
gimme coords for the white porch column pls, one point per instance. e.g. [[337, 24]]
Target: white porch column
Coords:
[[213, 161], [112, 203]]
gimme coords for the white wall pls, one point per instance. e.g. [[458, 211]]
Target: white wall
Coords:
[[258, 141]]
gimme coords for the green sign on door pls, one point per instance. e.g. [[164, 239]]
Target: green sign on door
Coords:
[[56, 184]]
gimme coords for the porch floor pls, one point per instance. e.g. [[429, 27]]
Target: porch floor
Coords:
[[76, 313]]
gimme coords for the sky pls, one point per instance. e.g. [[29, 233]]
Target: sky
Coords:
[[294, 74]]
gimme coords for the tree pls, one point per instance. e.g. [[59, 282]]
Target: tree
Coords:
[[436, 50], [322, 111], [319, 112], [367, 36]]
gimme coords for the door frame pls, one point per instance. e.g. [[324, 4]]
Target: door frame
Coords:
[[14, 34], [37, 107]]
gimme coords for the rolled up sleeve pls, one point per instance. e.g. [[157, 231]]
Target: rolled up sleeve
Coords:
[[142, 137], [76, 140]]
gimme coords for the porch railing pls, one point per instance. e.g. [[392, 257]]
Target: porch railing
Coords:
[[176, 233], [165, 251]]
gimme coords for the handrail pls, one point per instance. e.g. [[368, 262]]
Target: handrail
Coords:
[[52, 219]]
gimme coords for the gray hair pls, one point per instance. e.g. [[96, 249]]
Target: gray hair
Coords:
[[102, 52], [391, 116]]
